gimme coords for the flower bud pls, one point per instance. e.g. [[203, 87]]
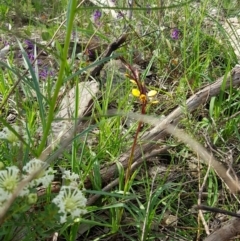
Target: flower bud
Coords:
[[32, 198]]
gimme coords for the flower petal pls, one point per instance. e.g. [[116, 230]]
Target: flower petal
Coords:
[[44, 177], [151, 93], [133, 81], [154, 102], [136, 92]]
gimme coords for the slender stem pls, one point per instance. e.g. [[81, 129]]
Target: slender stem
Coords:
[[128, 171], [70, 17]]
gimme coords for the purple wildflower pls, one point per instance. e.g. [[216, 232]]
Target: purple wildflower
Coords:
[[31, 56], [4, 42], [45, 73], [96, 17], [29, 43], [175, 34], [90, 53]]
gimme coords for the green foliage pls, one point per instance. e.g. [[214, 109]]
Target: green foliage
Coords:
[[179, 56]]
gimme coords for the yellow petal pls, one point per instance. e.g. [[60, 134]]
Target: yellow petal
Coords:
[[154, 102], [152, 93], [136, 92], [133, 81]]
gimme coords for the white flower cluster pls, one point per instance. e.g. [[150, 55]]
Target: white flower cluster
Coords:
[[11, 177], [9, 135], [44, 177], [70, 200]]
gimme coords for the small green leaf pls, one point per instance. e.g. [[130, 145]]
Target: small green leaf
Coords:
[[27, 32], [46, 36]]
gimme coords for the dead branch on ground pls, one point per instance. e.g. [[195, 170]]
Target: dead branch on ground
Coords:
[[111, 48]]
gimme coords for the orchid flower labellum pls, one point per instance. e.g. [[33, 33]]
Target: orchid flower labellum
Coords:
[[143, 98]]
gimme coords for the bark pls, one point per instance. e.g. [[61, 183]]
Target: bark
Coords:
[[228, 231]]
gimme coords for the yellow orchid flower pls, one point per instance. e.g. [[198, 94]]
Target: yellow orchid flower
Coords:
[[150, 95]]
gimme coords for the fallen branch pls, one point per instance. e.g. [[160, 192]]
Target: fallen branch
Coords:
[[111, 48], [227, 232]]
